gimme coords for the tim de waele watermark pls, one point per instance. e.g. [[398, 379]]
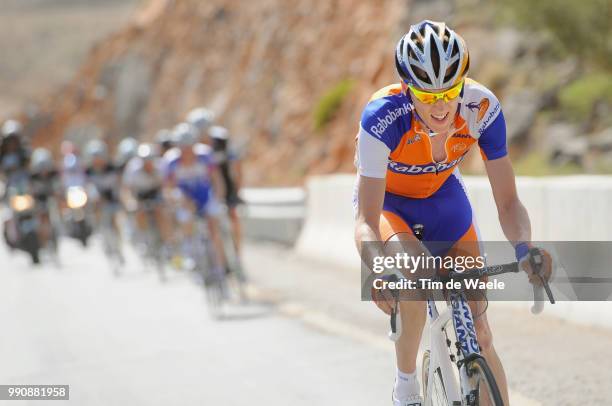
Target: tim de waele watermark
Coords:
[[413, 263]]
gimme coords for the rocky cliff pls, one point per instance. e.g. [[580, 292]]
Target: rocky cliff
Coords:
[[288, 78]]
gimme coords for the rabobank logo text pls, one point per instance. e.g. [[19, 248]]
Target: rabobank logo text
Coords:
[[490, 116], [384, 122], [398, 167]]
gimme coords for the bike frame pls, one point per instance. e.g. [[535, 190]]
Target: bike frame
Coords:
[[459, 312]]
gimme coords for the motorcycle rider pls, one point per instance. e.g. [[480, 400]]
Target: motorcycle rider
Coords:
[[14, 154], [45, 186]]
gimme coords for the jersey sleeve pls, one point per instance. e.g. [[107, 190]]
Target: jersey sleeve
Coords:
[[380, 132], [380, 119], [492, 142], [483, 113], [372, 156]]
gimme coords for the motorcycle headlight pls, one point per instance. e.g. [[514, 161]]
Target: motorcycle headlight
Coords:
[[76, 197], [21, 203]]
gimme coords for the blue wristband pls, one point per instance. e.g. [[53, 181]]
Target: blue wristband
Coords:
[[521, 250]]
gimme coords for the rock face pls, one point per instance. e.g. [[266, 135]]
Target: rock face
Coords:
[[262, 67]]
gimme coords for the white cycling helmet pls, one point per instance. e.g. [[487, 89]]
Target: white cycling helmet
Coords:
[[432, 56], [42, 160], [146, 152], [201, 118], [184, 135], [219, 133], [126, 150], [163, 137], [11, 127], [96, 149]]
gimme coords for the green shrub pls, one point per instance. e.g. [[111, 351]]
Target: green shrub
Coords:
[[579, 97], [330, 102], [580, 28]]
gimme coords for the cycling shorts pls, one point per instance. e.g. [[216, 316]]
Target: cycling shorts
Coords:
[[446, 215]]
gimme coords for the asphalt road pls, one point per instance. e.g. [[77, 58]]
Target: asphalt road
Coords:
[[305, 339]]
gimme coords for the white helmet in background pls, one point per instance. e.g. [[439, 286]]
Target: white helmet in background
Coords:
[[12, 127], [432, 56], [126, 150], [96, 149], [146, 152], [200, 118], [184, 135], [219, 133], [41, 161]]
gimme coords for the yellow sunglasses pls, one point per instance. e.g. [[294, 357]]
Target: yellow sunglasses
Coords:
[[431, 98]]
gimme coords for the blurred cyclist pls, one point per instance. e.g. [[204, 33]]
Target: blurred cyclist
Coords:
[[104, 180], [197, 179], [143, 181], [231, 173]]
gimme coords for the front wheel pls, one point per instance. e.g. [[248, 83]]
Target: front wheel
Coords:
[[438, 391], [484, 388]]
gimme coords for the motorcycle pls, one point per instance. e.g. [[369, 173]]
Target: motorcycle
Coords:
[[75, 214], [20, 230]]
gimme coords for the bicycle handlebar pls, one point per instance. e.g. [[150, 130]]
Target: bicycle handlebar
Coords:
[[512, 267]]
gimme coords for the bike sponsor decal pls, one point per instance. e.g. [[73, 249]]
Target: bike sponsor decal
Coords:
[[389, 119], [481, 107], [421, 169], [464, 326]]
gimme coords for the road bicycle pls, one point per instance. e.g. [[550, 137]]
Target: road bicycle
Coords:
[[470, 382]]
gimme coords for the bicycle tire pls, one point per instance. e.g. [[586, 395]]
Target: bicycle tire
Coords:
[[480, 372], [439, 390]]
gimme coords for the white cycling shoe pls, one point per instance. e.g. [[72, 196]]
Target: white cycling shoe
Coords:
[[415, 400]]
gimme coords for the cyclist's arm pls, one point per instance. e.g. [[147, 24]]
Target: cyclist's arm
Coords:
[[370, 197], [513, 217], [372, 156], [237, 172], [216, 182]]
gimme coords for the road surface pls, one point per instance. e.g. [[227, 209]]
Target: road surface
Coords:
[[306, 339]]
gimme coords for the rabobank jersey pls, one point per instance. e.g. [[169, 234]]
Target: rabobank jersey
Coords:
[[194, 179], [394, 144]]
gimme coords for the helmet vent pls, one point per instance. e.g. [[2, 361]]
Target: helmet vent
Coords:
[[451, 70]]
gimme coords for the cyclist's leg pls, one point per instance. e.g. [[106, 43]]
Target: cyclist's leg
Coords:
[[236, 226], [412, 312], [394, 229], [212, 210], [469, 245], [162, 222]]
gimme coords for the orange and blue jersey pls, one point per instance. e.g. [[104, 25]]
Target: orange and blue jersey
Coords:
[[394, 144]]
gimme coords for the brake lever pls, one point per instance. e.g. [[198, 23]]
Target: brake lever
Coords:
[[536, 261], [395, 321]]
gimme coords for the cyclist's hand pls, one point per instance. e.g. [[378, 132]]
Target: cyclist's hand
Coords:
[[534, 255], [383, 298]]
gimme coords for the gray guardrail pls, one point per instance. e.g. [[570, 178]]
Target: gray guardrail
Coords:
[[273, 214]]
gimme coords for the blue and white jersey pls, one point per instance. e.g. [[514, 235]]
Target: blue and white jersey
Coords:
[[194, 180]]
